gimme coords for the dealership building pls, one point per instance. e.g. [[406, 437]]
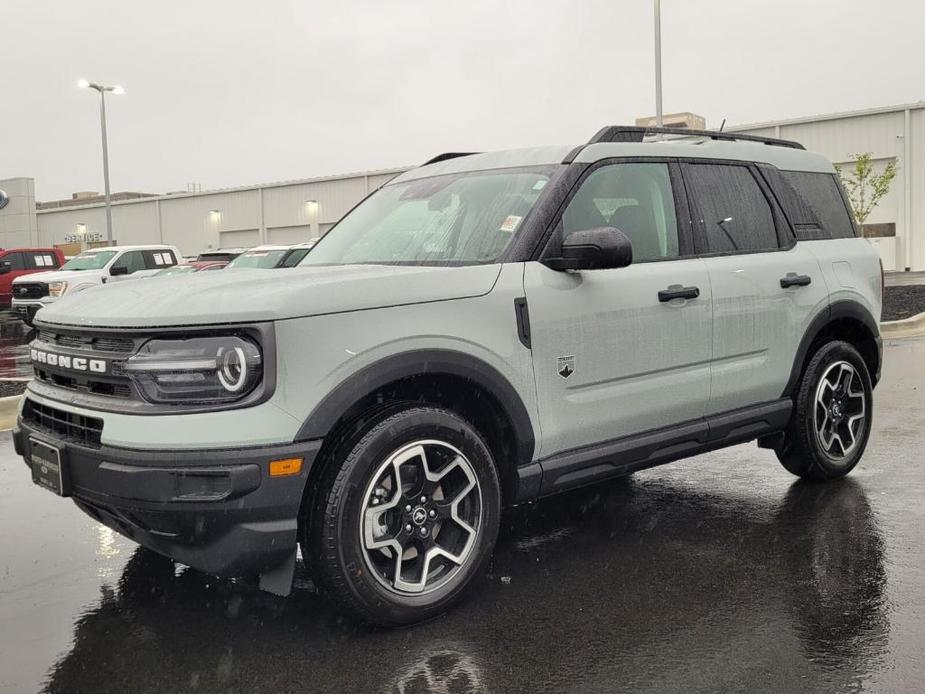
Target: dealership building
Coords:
[[294, 211]]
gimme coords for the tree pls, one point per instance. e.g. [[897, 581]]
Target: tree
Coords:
[[864, 187]]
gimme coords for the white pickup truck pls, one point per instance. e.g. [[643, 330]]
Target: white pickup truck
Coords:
[[89, 269]]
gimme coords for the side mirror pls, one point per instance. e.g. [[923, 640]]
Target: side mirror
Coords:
[[593, 249], [5, 266], [117, 270]]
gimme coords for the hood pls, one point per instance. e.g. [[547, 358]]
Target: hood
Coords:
[[209, 298], [69, 276]]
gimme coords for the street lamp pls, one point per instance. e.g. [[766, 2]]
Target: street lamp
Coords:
[[102, 89]]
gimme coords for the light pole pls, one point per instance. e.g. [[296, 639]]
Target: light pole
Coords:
[[102, 89], [658, 63]]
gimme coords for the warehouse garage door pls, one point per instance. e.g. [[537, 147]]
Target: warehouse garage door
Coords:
[[246, 238], [286, 236]]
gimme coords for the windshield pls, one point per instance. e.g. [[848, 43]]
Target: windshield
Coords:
[[89, 261], [464, 219], [175, 270], [257, 259]]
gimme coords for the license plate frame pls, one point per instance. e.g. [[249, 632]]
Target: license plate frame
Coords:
[[48, 471]]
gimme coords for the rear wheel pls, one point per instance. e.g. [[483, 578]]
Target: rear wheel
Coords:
[[832, 415], [405, 517]]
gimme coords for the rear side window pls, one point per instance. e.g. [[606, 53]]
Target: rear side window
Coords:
[[822, 194], [156, 260], [43, 261], [735, 213]]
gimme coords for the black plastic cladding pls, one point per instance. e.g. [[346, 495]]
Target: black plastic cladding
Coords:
[[263, 334]]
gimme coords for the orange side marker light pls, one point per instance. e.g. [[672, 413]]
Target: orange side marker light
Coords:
[[283, 468]]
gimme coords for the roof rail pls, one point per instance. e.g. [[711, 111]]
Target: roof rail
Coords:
[[447, 155], [635, 133]]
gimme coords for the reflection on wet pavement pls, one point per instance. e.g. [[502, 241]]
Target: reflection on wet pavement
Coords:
[[15, 337], [718, 574]]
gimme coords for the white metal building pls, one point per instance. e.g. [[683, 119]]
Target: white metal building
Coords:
[[281, 213], [295, 211]]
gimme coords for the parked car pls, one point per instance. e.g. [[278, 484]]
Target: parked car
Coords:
[[17, 262], [91, 268], [194, 266], [481, 331], [221, 254], [271, 257]]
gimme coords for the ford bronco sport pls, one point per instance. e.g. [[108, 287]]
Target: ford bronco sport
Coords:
[[483, 330]]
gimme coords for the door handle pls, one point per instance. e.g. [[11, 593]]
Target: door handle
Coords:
[[676, 291], [794, 280]]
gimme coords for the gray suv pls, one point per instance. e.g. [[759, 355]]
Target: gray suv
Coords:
[[484, 330]]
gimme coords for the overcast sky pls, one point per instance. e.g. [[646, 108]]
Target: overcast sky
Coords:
[[231, 93]]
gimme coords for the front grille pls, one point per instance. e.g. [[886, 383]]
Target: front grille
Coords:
[[88, 384], [109, 348], [98, 343], [77, 428], [30, 290]]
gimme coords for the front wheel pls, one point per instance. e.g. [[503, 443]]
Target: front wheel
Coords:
[[832, 417], [405, 517]]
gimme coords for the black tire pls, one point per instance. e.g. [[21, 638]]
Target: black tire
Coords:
[[333, 526], [803, 452]]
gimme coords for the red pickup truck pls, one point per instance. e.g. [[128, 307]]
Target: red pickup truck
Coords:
[[15, 262]]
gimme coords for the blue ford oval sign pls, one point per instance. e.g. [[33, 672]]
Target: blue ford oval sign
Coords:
[[4, 199]]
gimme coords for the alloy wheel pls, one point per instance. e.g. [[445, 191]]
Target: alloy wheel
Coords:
[[840, 410], [420, 517]]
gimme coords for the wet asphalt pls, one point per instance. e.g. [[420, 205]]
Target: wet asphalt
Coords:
[[719, 573]]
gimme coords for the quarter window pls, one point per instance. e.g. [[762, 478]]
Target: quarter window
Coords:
[[734, 212], [634, 198], [821, 191]]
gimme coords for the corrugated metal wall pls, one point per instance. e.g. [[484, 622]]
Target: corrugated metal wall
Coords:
[[283, 213]]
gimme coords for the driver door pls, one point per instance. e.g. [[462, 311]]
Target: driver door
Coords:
[[612, 356]]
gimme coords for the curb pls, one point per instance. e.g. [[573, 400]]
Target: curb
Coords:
[[9, 410], [907, 327]]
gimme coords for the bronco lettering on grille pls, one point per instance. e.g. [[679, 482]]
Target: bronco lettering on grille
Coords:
[[64, 361]]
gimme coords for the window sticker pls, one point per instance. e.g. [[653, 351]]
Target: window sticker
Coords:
[[540, 184], [510, 223]]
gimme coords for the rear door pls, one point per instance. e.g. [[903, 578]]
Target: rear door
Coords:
[[766, 287], [612, 357]]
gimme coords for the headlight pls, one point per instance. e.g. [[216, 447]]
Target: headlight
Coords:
[[197, 370], [57, 288]]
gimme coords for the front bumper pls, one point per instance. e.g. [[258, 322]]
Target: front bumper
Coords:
[[215, 510], [27, 308]]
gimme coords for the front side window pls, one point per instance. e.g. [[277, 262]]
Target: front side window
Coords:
[[16, 261], [635, 198], [133, 261], [458, 219], [735, 214], [89, 261]]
